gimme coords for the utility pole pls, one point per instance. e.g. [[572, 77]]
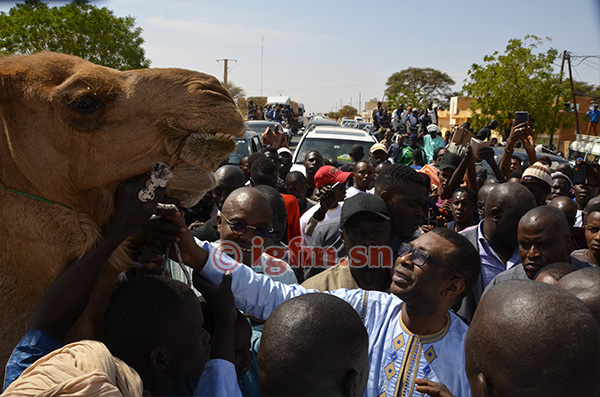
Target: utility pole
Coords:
[[560, 76], [262, 48], [359, 103], [225, 69], [573, 92]]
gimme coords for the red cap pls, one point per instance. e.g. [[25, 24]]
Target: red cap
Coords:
[[328, 175]]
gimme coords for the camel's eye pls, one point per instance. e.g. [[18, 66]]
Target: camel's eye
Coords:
[[86, 104]]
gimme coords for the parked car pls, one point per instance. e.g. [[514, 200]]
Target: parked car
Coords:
[[331, 142], [259, 126], [522, 154], [321, 121], [250, 143]]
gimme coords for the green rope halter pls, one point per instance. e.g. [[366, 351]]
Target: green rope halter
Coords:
[[43, 200]]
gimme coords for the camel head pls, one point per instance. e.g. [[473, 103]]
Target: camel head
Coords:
[[71, 130]]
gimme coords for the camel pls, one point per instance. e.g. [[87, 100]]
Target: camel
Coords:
[[70, 133]]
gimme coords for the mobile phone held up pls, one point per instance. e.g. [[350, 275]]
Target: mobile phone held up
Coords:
[[579, 174], [521, 117]]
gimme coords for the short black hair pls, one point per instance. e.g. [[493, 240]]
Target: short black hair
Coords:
[[268, 149], [392, 177], [140, 313], [469, 192], [515, 174], [255, 156], [264, 166], [592, 208], [515, 157], [294, 176], [437, 151], [463, 260]]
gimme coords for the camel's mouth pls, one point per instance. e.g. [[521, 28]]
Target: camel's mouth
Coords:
[[194, 156]]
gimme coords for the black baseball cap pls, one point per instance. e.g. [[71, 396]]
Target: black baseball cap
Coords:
[[363, 202], [450, 160]]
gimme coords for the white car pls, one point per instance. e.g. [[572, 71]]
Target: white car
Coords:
[[331, 142]]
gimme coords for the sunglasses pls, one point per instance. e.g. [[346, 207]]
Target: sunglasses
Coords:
[[419, 257], [241, 227]]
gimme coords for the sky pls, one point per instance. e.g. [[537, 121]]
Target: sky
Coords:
[[327, 54]]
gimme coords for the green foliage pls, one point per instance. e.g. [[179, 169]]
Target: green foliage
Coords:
[[415, 86], [77, 28], [518, 79], [582, 88], [235, 91]]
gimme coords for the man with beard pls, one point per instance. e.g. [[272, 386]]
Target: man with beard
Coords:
[[544, 237], [364, 223], [404, 192], [496, 238], [412, 335]]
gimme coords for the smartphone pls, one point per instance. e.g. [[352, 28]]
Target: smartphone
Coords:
[[579, 174], [335, 185], [521, 117]]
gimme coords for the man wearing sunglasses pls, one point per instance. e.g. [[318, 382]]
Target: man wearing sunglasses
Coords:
[[412, 333], [247, 214]]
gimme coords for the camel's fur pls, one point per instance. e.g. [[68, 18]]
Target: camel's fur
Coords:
[[55, 146]]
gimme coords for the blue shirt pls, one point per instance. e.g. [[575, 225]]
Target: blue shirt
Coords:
[[397, 356], [594, 115], [218, 379], [33, 345], [491, 264]]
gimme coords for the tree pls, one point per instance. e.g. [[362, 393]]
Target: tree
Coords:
[[415, 86], [77, 28], [582, 88], [346, 111], [235, 91], [517, 80]]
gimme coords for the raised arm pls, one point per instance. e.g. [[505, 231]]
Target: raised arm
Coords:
[[68, 296], [487, 154], [516, 133], [459, 173]]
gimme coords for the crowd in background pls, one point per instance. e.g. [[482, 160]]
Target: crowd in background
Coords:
[[462, 274]]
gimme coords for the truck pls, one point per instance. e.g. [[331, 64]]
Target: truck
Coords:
[[298, 121]]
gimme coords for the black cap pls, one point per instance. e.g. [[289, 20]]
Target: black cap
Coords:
[[363, 202], [450, 160]]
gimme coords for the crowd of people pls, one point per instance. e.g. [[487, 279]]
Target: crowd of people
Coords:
[[414, 269]]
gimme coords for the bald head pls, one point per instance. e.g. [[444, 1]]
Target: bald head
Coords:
[[244, 213], [314, 344], [506, 204], [250, 199], [482, 197], [567, 206], [544, 237], [229, 178], [585, 285], [510, 196], [230, 174], [551, 216], [532, 339]]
